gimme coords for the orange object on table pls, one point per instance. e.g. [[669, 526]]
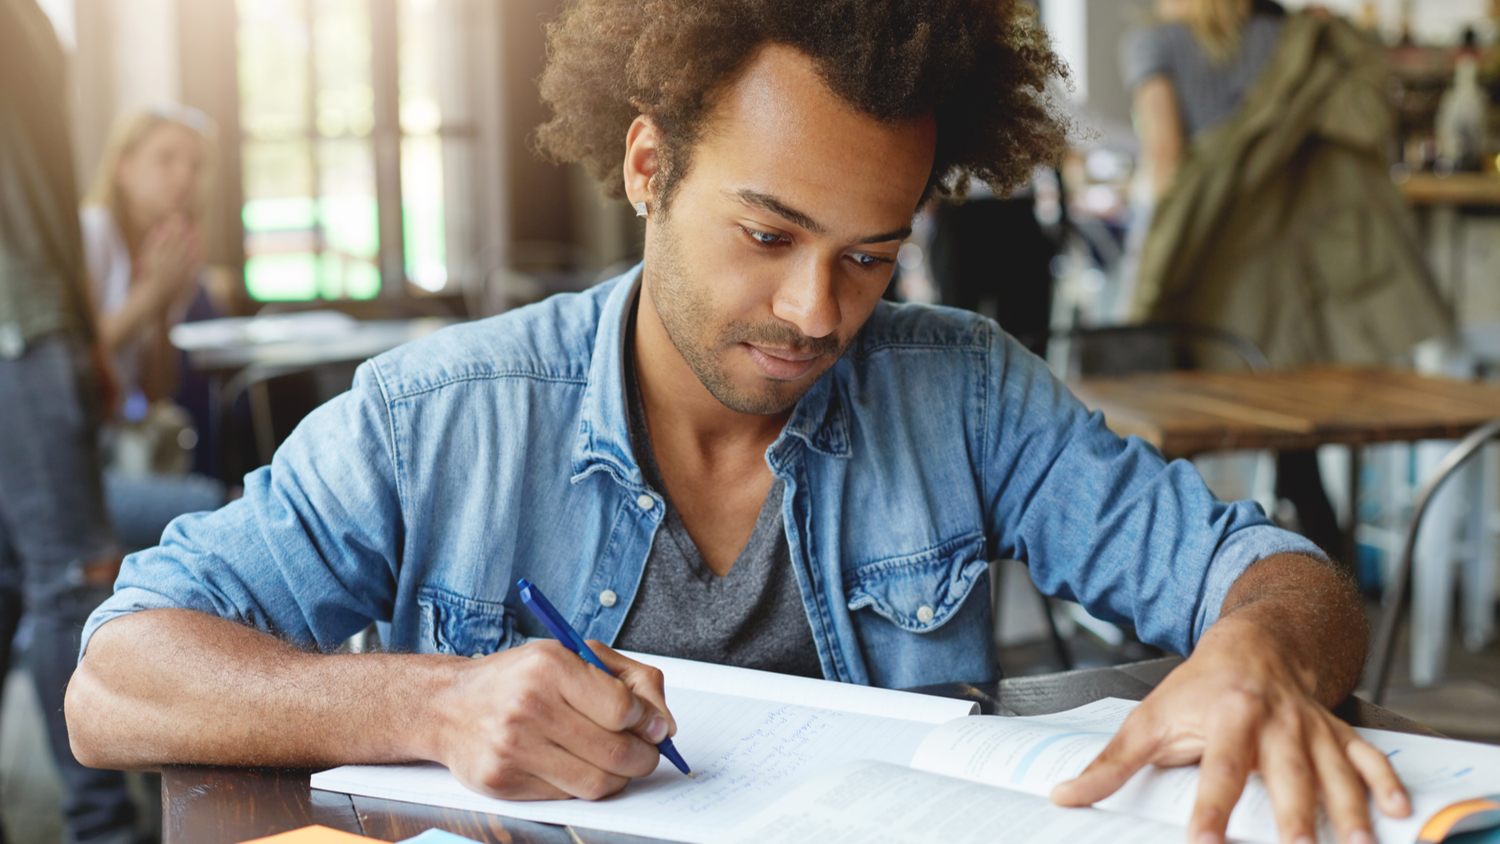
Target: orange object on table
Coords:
[[312, 835]]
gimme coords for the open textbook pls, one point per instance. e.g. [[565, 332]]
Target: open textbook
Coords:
[[987, 779], [792, 759]]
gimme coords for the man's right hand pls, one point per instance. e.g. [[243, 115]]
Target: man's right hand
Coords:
[[538, 723], [174, 686]]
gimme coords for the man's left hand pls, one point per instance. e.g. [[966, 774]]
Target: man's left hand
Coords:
[[1244, 703]]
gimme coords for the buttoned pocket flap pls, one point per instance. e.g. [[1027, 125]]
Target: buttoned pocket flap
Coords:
[[454, 624], [919, 592]]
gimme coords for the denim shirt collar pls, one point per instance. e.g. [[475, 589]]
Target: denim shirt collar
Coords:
[[819, 419]]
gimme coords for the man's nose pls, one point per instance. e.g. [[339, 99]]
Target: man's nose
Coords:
[[807, 298]]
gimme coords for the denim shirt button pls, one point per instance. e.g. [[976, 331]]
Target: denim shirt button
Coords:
[[646, 502], [475, 655], [924, 614], [608, 597]]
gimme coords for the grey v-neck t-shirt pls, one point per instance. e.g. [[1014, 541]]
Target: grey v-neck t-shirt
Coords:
[[752, 617]]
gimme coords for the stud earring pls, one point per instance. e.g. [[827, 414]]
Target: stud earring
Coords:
[[640, 209]]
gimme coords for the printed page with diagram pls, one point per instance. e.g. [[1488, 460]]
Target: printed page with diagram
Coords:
[[880, 803], [1035, 753]]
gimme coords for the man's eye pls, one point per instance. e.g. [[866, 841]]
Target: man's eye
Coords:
[[868, 261], [763, 238]]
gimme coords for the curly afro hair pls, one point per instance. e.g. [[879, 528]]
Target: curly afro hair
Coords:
[[982, 68]]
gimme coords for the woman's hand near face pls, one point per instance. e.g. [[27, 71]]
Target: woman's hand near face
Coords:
[[165, 271], [170, 260]]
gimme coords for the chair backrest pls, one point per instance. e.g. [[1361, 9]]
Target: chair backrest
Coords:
[[1398, 588], [1148, 347]]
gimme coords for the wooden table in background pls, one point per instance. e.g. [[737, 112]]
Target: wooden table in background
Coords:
[[1464, 189], [230, 805], [1189, 413]]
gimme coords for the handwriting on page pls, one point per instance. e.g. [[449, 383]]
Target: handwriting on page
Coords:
[[746, 753], [780, 747]]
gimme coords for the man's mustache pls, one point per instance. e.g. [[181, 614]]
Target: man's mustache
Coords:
[[780, 335]]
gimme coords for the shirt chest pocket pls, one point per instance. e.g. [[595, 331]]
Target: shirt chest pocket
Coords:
[[919, 592], [454, 624]]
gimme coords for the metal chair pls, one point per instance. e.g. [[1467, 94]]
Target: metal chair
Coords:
[[1397, 595]]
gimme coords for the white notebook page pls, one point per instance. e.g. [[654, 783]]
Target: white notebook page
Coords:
[[745, 753], [806, 691]]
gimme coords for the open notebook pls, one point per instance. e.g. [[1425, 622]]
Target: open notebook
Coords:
[[750, 737], [786, 756]]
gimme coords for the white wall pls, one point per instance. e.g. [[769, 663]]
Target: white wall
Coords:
[[1066, 22], [145, 53], [64, 21]]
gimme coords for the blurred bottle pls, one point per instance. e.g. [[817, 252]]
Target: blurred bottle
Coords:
[[1461, 119], [1405, 38]]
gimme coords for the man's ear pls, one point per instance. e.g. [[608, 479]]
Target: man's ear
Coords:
[[642, 144]]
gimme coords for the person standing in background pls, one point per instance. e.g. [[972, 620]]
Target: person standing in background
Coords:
[[1264, 138], [1189, 71], [143, 241], [58, 554]]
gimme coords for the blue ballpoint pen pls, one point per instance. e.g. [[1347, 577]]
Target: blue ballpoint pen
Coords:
[[535, 601]]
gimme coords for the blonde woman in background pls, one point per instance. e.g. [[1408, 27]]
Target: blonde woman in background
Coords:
[[1188, 72], [142, 225]]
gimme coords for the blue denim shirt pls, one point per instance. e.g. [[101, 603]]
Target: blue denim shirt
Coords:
[[500, 449]]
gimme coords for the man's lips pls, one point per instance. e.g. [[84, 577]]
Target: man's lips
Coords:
[[782, 364]]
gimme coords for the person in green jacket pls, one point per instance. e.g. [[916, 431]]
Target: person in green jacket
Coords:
[[58, 554], [1264, 137]]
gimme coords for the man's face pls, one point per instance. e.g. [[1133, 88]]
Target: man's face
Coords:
[[783, 236]]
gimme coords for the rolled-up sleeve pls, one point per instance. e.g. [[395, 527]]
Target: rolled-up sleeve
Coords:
[[1104, 520], [309, 553]]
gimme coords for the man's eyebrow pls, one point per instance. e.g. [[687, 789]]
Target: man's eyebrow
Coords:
[[770, 203]]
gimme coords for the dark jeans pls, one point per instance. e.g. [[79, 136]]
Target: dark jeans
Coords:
[[142, 507], [52, 523]]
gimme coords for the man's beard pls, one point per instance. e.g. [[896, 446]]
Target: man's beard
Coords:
[[688, 318]]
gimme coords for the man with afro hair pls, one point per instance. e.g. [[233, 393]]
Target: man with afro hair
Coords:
[[735, 452]]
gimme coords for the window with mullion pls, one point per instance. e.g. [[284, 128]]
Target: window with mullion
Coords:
[[310, 77]]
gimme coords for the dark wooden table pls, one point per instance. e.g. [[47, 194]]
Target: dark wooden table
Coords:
[[230, 805]]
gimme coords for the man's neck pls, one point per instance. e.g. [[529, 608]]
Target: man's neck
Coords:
[[679, 408]]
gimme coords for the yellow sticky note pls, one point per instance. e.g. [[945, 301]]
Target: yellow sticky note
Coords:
[[312, 835]]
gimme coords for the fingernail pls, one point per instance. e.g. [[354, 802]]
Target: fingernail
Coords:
[[656, 729], [1210, 838], [1305, 839], [1398, 801], [1360, 836]]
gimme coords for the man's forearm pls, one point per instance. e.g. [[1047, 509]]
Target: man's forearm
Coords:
[[177, 686], [1309, 613]]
